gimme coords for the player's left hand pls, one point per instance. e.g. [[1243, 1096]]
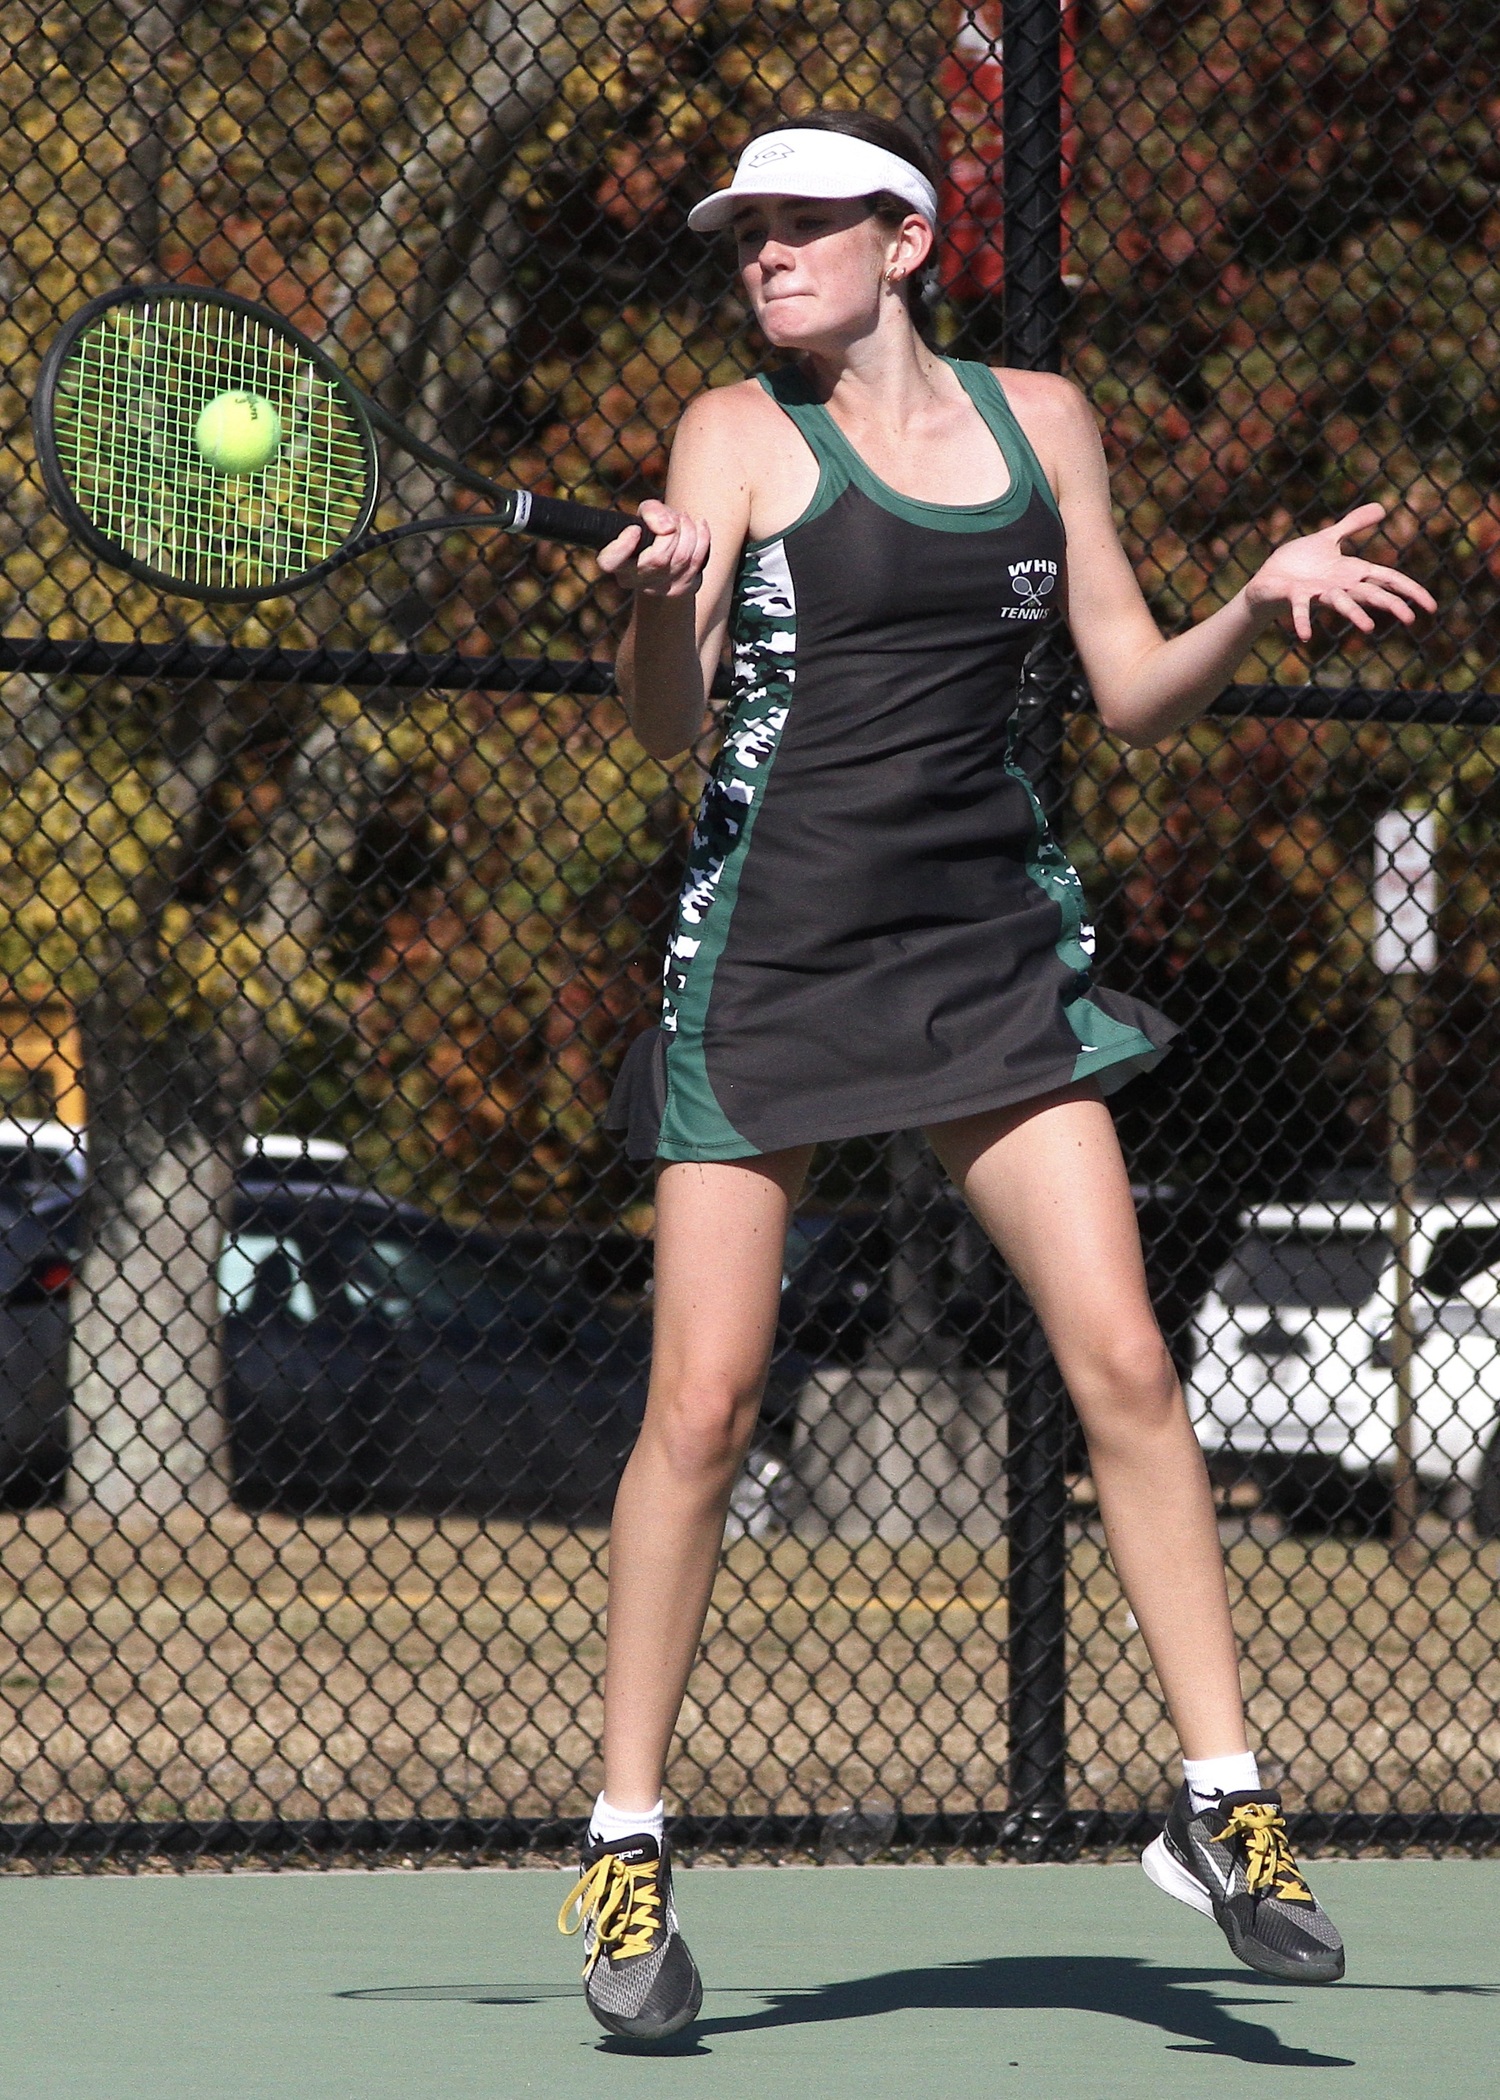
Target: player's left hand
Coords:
[[1316, 571]]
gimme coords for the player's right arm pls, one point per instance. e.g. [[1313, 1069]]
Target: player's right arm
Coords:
[[684, 581]]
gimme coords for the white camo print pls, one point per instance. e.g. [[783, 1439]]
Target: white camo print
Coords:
[[765, 641]]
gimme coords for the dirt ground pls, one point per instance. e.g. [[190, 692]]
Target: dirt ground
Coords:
[[253, 1666]]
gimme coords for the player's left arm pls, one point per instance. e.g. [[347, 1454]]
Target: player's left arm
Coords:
[[1144, 684]]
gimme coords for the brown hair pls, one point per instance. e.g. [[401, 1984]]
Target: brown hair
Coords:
[[890, 210]]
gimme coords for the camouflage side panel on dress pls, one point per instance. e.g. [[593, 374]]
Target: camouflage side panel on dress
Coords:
[[764, 633]]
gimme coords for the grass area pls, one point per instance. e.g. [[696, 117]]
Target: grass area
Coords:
[[255, 1666]]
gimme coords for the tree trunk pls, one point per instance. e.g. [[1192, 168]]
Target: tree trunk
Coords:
[[171, 1086], [459, 311], [444, 384], [171, 1089], [148, 1426], [514, 61]]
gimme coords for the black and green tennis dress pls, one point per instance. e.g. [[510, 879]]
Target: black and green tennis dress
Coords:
[[877, 930]]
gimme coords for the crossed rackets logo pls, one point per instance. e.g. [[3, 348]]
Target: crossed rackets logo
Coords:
[[1031, 590]]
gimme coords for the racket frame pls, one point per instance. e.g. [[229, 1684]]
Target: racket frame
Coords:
[[516, 510], [59, 489]]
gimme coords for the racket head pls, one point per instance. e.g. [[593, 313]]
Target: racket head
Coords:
[[118, 400]]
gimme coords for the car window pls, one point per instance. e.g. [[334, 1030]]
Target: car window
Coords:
[[1304, 1268], [1482, 1288], [1458, 1255], [261, 1276], [396, 1279], [28, 1170]]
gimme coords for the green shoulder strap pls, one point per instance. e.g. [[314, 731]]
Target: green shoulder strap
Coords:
[[988, 396], [791, 392]]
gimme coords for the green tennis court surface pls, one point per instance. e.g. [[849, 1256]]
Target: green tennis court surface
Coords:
[[873, 1982]]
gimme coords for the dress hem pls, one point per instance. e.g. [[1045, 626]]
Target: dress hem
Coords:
[[625, 1113]]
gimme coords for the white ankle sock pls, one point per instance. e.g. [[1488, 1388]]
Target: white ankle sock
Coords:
[[1209, 1777], [607, 1824]]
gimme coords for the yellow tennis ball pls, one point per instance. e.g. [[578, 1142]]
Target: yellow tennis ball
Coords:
[[238, 433]]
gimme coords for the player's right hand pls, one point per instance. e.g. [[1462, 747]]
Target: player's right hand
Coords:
[[672, 566]]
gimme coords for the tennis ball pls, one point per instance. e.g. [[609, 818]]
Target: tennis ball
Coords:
[[238, 433]]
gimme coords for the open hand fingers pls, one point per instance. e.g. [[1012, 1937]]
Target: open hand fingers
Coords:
[[1374, 589], [1360, 519], [1404, 586], [1346, 603], [1373, 592], [1357, 595], [1313, 571]]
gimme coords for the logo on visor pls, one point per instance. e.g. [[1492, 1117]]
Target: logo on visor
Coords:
[[762, 156]]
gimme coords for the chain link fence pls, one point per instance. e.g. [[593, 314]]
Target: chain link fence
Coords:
[[324, 1297]]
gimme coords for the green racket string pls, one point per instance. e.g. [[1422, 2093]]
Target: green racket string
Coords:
[[128, 400]]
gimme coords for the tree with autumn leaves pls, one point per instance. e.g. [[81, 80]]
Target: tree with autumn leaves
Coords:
[[432, 927]]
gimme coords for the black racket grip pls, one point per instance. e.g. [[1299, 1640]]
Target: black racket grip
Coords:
[[575, 524]]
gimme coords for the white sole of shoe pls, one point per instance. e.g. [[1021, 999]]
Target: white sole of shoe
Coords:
[[1173, 1878]]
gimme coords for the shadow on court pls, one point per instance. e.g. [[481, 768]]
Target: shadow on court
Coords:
[[1178, 2002], [1175, 2001], [1191, 2005]]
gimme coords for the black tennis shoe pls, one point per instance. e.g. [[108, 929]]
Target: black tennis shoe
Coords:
[[1234, 1863], [638, 1978]]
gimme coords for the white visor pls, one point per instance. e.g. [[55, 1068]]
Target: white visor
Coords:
[[796, 163]]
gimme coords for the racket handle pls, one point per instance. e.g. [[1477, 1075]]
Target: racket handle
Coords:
[[575, 524]]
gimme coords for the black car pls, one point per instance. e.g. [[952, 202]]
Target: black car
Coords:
[[378, 1359], [375, 1358], [37, 1230]]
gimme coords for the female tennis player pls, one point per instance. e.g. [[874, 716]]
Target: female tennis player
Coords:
[[877, 932]]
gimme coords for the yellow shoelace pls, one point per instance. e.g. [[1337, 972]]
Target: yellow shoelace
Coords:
[[623, 1898], [1270, 1868]]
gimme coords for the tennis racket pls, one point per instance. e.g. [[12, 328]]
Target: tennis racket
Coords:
[[200, 443]]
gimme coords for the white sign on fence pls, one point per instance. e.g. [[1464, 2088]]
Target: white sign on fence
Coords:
[[1405, 891]]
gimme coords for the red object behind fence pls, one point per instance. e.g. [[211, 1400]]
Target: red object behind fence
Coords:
[[971, 85]]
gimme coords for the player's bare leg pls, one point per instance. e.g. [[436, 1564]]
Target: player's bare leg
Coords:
[[1049, 1185], [720, 1241], [1050, 1188]]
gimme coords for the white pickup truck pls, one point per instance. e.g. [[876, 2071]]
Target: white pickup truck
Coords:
[[1292, 1354]]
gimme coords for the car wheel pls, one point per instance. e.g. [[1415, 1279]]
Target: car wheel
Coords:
[[1486, 1512]]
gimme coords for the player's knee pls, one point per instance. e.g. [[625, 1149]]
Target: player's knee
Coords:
[[703, 1425], [1127, 1384]]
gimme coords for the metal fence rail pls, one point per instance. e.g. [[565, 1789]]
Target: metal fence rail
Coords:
[[321, 1346]]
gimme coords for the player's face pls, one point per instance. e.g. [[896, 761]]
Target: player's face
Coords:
[[813, 268]]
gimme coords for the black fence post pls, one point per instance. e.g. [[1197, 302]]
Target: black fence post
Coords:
[[1037, 1591], [1033, 184], [1037, 1444]]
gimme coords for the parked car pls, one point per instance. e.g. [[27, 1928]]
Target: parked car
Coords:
[[1292, 1361], [379, 1359], [36, 1272], [375, 1358], [40, 1160]]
